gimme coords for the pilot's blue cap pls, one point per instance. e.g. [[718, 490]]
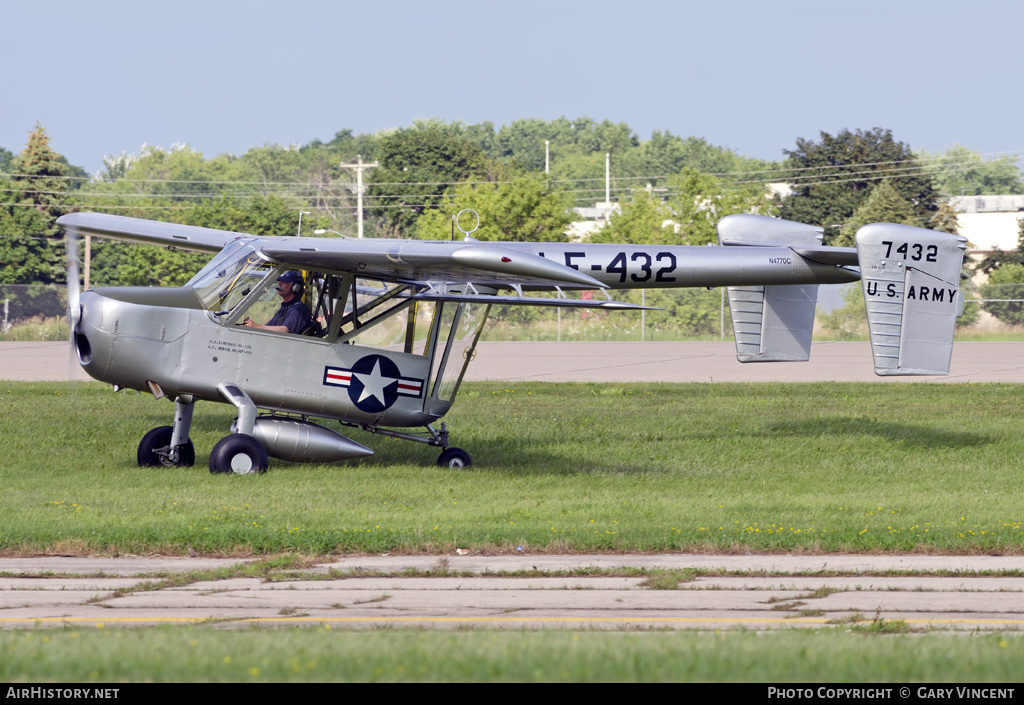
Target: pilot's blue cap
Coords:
[[291, 277]]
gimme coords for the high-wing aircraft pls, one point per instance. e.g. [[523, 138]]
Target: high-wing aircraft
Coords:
[[394, 323]]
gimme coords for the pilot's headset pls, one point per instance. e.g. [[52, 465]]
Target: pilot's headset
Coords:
[[295, 279]]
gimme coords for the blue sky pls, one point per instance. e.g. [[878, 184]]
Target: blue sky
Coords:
[[106, 77]]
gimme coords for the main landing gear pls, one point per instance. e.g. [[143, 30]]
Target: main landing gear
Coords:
[[240, 453], [156, 449], [170, 446]]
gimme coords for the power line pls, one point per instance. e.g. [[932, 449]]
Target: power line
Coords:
[[327, 195], [1006, 155]]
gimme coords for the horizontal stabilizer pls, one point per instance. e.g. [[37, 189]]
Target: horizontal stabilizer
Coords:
[[911, 282], [751, 229]]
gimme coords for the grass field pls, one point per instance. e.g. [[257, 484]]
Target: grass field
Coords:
[[204, 654], [566, 467]]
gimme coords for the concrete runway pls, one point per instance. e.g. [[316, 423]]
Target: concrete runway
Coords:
[[799, 591], [759, 592]]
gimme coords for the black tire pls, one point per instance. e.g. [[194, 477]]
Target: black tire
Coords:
[[238, 454], [454, 458], [160, 437]]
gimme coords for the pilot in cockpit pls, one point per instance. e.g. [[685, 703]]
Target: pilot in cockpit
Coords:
[[293, 316]]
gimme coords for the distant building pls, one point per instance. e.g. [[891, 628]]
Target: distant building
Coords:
[[591, 220], [989, 222]]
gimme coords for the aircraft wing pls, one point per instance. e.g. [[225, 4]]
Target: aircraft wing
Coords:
[[486, 264], [425, 261], [117, 227]]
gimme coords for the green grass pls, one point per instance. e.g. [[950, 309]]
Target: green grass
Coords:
[[37, 328], [203, 654], [566, 467]]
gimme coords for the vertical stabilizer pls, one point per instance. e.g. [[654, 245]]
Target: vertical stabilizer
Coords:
[[911, 282], [771, 323]]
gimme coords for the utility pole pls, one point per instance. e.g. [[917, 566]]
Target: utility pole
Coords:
[[359, 166], [608, 184], [547, 163], [88, 258]]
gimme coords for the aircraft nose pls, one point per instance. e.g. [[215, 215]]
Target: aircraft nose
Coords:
[[87, 325]]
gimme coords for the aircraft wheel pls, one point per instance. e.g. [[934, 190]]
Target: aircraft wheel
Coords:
[[239, 454], [160, 437], [454, 458]]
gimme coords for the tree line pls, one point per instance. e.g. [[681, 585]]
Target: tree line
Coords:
[[522, 178]]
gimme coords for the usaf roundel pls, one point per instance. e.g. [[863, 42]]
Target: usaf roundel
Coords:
[[374, 383]]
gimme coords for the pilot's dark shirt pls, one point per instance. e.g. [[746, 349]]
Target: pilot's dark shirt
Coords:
[[294, 314]]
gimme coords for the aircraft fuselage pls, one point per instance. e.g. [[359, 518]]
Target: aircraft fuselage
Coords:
[[652, 266], [169, 341]]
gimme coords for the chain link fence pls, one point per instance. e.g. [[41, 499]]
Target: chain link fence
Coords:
[[33, 312], [39, 312]]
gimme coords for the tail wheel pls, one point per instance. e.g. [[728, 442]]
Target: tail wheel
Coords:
[[154, 450], [454, 458], [239, 454]]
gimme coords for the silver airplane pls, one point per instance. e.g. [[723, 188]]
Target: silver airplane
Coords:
[[393, 324]]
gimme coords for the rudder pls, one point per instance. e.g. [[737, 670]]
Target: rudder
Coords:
[[911, 283], [771, 323]]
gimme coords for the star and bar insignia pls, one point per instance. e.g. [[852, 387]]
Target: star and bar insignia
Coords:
[[374, 383]]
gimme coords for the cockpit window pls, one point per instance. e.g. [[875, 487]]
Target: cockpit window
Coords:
[[229, 278]]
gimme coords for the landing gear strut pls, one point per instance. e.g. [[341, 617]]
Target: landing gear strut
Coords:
[[156, 449], [170, 446], [451, 457]]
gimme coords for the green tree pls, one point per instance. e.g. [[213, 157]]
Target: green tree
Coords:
[[883, 205], [518, 208], [643, 218], [690, 214], [262, 216], [1006, 282], [833, 177], [345, 146], [417, 166], [960, 171], [666, 154], [132, 264], [698, 201], [179, 174], [31, 244], [6, 162], [944, 219], [849, 321]]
